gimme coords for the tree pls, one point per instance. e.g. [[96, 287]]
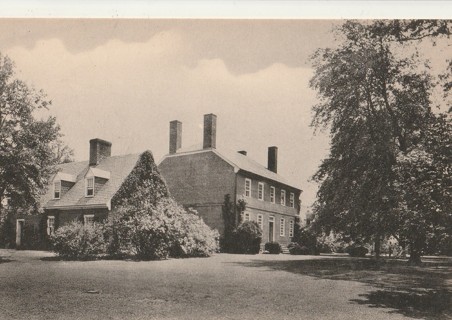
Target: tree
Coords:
[[28, 146], [232, 218], [423, 183], [378, 108]]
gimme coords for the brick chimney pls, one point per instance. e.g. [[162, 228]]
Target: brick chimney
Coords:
[[210, 131], [98, 150], [242, 152], [273, 159], [175, 137]]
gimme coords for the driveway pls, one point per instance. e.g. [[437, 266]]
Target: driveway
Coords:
[[35, 285]]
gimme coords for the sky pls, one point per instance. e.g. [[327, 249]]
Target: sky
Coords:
[[125, 80]]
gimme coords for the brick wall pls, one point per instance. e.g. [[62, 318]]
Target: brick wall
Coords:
[[63, 217], [266, 204], [283, 240], [201, 178], [201, 181]]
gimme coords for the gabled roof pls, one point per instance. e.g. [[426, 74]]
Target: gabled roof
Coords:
[[119, 168], [237, 160]]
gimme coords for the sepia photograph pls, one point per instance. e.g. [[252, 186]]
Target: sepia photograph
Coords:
[[225, 168]]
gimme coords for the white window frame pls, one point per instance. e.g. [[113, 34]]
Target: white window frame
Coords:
[[291, 228], [86, 187], [292, 200], [87, 219], [259, 193], [50, 226], [272, 194], [282, 227], [247, 190], [260, 221], [283, 197], [55, 183], [246, 216]]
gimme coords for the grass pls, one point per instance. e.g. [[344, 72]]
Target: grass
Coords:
[[33, 285]]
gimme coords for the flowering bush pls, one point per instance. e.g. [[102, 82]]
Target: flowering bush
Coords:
[[193, 237], [78, 241], [158, 231]]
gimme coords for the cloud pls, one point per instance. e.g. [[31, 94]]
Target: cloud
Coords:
[[128, 92]]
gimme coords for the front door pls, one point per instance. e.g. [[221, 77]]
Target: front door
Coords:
[[271, 224], [19, 232]]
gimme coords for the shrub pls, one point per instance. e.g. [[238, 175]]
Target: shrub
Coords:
[[158, 231], [328, 243], [356, 251], [307, 238], [193, 237], [78, 241], [296, 249], [247, 238], [273, 247]]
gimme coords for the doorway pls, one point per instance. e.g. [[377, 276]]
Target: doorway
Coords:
[[271, 229]]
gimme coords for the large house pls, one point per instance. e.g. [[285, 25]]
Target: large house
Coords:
[[200, 177], [88, 191]]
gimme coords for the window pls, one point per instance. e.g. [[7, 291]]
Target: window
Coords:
[[283, 197], [246, 216], [90, 187], [282, 227], [260, 221], [88, 219], [247, 187], [272, 194], [292, 200], [56, 189], [50, 225], [260, 191], [291, 228]]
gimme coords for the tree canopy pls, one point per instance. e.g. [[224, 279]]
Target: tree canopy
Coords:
[[29, 147], [377, 104]]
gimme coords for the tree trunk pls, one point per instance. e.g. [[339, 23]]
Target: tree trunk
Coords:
[[415, 255], [377, 246]]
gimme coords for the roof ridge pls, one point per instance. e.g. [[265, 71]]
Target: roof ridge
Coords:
[[115, 156]]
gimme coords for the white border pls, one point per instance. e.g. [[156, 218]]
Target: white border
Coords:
[[284, 9]]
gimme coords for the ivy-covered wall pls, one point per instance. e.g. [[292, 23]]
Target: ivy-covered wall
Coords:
[[144, 183]]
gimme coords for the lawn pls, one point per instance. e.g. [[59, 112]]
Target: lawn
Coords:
[[34, 285]]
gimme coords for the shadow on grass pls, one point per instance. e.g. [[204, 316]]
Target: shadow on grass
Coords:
[[4, 260], [417, 292]]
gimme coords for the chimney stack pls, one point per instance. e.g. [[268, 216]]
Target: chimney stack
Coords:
[[210, 131], [98, 150], [242, 152], [273, 159], [175, 136]]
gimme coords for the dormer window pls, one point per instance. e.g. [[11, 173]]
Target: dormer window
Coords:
[[62, 179], [90, 187], [100, 176], [57, 189]]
